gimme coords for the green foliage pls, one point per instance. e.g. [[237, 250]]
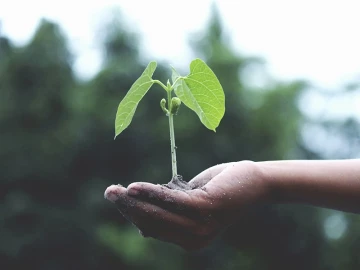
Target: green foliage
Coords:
[[123, 241], [202, 92], [128, 105], [53, 173]]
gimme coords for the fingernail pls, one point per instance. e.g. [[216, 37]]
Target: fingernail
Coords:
[[112, 193], [133, 191]]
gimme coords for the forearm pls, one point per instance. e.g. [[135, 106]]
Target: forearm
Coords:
[[326, 183]]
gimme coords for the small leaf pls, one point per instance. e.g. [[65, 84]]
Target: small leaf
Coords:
[[202, 92], [128, 105]]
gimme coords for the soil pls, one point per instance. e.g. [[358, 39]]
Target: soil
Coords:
[[178, 183]]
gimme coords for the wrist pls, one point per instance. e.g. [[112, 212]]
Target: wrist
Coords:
[[273, 191], [258, 181]]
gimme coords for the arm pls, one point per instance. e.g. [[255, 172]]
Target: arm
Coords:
[[221, 194], [325, 183]]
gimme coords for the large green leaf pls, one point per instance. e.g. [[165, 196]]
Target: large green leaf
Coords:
[[202, 92], [128, 105]]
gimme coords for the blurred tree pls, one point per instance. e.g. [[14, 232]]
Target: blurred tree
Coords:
[[42, 222], [57, 155], [35, 79]]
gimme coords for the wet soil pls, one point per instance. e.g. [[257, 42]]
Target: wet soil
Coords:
[[178, 183]]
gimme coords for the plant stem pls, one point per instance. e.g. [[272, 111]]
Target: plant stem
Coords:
[[161, 84], [172, 137]]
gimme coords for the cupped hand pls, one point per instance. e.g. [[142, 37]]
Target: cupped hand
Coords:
[[192, 218]]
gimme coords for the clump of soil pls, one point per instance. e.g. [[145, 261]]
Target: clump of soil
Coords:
[[178, 183]]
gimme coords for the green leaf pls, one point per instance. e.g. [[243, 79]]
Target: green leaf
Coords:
[[202, 92], [128, 105]]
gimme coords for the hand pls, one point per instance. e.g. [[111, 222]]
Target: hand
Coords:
[[192, 218]]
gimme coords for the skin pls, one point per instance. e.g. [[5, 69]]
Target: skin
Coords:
[[220, 195]]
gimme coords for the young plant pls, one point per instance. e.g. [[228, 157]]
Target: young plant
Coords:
[[201, 91]]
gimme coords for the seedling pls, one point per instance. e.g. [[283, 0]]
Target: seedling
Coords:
[[201, 91]]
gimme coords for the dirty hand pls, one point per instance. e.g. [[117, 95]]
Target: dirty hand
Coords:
[[192, 218]]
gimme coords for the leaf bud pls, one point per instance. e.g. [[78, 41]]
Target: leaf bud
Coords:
[[175, 105], [162, 105], [168, 85]]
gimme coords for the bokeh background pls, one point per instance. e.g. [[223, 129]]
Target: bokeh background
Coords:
[[57, 153]]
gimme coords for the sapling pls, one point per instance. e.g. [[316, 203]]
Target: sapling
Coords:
[[200, 90]]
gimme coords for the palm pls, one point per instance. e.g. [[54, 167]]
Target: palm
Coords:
[[189, 218]]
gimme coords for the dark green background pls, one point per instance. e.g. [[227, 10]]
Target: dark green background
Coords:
[[57, 156]]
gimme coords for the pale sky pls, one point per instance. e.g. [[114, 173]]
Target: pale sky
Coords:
[[317, 40]]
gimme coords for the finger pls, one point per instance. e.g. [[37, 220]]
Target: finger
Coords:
[[158, 223], [113, 192], [129, 205], [151, 218], [202, 178], [187, 203]]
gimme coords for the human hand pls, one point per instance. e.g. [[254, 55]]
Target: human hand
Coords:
[[192, 218]]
